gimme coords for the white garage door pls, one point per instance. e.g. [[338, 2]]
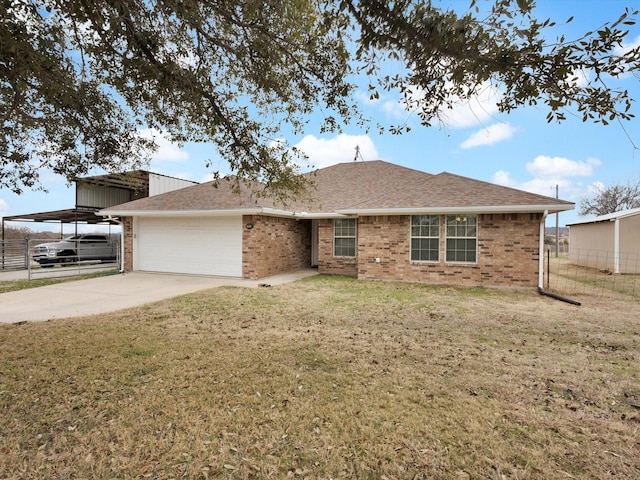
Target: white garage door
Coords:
[[196, 245]]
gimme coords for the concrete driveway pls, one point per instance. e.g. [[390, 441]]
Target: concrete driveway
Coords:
[[115, 292]]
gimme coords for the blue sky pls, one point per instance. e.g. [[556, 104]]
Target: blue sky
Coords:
[[519, 149]]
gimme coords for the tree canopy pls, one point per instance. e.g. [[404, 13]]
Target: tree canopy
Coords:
[[79, 79], [611, 199]]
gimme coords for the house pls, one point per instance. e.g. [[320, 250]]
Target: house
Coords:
[[370, 220], [608, 242]]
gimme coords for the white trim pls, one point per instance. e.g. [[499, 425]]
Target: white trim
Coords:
[[454, 210], [543, 224], [496, 209], [217, 213], [355, 239], [610, 217], [439, 237], [180, 213], [616, 246], [446, 237]]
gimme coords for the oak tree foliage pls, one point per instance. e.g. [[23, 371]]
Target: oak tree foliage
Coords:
[[79, 79]]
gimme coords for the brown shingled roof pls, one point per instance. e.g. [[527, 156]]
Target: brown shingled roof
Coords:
[[353, 188], [447, 190], [204, 196], [346, 184]]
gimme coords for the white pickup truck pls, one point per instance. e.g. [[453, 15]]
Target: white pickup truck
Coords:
[[77, 248]]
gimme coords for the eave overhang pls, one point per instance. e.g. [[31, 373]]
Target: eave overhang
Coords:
[[496, 209], [488, 209]]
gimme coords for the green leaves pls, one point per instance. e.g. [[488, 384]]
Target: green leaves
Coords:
[[79, 79]]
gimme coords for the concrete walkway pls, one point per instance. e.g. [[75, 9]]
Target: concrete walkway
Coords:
[[115, 292]]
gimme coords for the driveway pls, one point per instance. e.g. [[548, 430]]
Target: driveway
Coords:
[[115, 292]]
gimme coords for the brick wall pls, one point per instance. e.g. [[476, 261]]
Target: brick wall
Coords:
[[127, 238], [327, 263], [274, 245], [507, 252]]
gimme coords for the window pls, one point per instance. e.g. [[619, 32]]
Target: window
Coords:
[[344, 237], [425, 238], [462, 238]]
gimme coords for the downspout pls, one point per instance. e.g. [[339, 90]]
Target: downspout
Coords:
[[541, 289], [112, 219], [616, 246]]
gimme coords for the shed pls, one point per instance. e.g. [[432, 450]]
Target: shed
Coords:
[[608, 242]]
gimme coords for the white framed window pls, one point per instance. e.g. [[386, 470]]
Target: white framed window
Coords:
[[344, 237], [425, 238], [462, 238]]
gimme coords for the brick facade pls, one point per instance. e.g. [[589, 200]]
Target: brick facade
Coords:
[[127, 238], [507, 252], [327, 263], [274, 245]]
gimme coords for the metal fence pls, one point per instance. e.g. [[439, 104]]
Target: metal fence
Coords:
[[21, 255], [83, 257], [572, 275], [14, 254]]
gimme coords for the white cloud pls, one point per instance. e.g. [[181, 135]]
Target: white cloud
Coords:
[[323, 152], [395, 110], [626, 47], [479, 109], [488, 136], [581, 77], [549, 172], [365, 98], [4, 208], [482, 106], [504, 178], [552, 167], [167, 151], [596, 188]]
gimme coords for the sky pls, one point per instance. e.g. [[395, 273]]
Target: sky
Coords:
[[519, 149]]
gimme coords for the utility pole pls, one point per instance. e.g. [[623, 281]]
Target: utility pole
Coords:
[[557, 228]]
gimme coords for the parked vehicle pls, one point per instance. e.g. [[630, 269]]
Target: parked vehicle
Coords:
[[75, 249]]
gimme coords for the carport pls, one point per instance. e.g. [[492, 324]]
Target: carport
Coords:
[[92, 194], [15, 253]]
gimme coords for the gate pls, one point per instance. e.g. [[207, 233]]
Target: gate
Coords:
[[14, 254], [19, 255]]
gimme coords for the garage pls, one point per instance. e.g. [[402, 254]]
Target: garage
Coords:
[[191, 245]]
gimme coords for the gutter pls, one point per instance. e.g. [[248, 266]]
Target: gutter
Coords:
[[541, 289], [458, 209]]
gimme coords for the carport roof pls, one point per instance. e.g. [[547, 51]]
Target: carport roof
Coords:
[[70, 215]]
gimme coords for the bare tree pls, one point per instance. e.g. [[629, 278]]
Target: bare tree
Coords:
[[612, 198]]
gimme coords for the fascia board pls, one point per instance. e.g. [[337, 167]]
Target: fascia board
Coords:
[[465, 209], [180, 213], [321, 215], [273, 212]]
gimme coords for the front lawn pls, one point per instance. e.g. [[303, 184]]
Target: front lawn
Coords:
[[327, 378]]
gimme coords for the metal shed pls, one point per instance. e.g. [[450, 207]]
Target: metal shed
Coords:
[[102, 191], [609, 242]]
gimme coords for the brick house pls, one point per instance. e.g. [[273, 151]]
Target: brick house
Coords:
[[369, 220]]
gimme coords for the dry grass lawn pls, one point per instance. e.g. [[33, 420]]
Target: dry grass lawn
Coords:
[[327, 378]]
